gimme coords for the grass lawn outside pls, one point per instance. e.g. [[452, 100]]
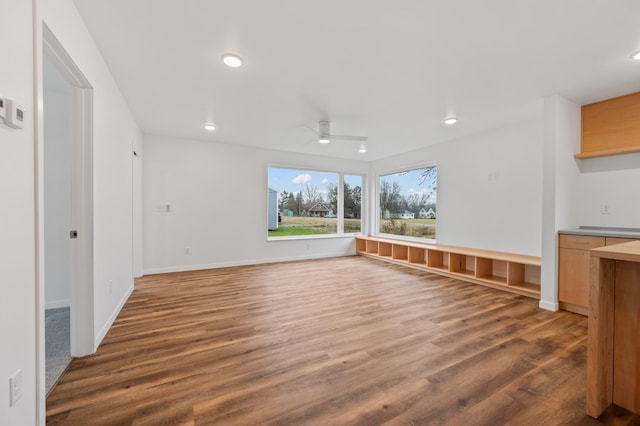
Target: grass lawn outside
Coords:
[[293, 225]]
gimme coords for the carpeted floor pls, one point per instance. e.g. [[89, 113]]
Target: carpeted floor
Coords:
[[57, 344]]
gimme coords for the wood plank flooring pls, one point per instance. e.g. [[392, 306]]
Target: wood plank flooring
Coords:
[[333, 341]]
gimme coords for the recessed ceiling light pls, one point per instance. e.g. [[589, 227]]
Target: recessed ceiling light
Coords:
[[232, 60], [209, 127], [450, 121], [636, 56]]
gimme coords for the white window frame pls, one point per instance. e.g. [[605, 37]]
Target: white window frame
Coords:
[[340, 208]]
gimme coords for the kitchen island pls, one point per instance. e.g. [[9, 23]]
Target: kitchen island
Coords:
[[613, 358]]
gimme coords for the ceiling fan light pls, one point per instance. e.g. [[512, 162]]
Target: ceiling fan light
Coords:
[[232, 60]]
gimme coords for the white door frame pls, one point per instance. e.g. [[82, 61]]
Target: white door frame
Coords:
[[81, 288]]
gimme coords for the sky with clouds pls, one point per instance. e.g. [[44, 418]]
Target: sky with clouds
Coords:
[[293, 180]]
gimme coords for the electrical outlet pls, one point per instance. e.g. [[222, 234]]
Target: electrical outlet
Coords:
[[605, 209], [15, 386]]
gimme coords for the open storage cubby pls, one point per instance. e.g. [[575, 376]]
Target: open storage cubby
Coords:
[[385, 249], [400, 252], [492, 270], [462, 264], [418, 255], [511, 272], [437, 259]]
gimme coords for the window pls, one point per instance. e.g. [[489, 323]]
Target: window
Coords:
[[408, 203], [304, 202]]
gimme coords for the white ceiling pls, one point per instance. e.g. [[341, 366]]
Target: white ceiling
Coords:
[[390, 70]]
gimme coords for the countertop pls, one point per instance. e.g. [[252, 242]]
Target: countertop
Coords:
[[600, 231], [629, 252]]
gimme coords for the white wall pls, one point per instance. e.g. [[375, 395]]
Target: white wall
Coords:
[[17, 232], [115, 132], [502, 213], [58, 103], [609, 180], [218, 199]]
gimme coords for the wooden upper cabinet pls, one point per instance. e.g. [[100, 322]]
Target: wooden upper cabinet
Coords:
[[611, 127]]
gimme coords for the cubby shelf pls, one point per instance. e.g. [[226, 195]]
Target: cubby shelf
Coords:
[[511, 272]]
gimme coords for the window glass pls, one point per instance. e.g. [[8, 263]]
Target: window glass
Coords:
[[303, 205], [352, 195], [408, 203]]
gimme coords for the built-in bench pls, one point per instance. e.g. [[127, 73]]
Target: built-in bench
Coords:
[[505, 271]]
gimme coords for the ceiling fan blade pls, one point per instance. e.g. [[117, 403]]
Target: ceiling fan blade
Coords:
[[349, 138]]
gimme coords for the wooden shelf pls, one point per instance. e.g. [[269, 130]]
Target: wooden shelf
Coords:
[[510, 272], [606, 153]]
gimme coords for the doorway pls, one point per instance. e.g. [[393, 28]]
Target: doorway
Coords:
[[65, 212]]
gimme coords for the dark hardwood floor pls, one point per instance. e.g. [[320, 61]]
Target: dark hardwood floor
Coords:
[[334, 341]]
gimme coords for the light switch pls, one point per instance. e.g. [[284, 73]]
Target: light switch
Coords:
[[15, 385], [3, 107]]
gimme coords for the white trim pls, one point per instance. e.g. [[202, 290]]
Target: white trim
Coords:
[[105, 329], [184, 268], [82, 303], [314, 237], [549, 306], [406, 238], [40, 391], [55, 304]]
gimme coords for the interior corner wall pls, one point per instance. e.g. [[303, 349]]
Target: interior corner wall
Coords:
[[217, 195], [561, 135], [583, 186], [137, 148], [17, 216], [114, 133], [575, 189], [489, 187]]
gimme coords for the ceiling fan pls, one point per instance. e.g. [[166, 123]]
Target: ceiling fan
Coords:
[[325, 136]]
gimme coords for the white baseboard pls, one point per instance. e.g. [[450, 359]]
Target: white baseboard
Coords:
[[105, 328], [549, 306], [55, 304], [184, 268]]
